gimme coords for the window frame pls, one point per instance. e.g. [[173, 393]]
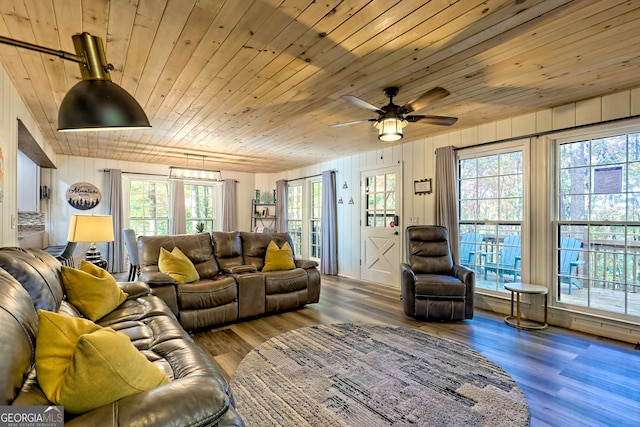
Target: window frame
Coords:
[[498, 226], [127, 181], [561, 296]]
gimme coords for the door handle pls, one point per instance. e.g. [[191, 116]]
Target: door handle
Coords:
[[395, 232]]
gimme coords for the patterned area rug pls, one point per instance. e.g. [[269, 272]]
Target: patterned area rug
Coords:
[[373, 375]]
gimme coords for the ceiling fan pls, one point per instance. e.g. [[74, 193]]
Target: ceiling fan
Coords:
[[392, 118]]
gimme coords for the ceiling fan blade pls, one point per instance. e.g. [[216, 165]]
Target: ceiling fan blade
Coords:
[[337, 125], [425, 99], [361, 103], [433, 120]]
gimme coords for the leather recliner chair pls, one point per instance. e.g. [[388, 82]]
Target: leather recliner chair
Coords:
[[433, 287]]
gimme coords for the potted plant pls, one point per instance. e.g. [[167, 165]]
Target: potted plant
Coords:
[[200, 227]]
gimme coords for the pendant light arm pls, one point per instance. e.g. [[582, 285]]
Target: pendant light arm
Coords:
[[89, 54], [59, 53]]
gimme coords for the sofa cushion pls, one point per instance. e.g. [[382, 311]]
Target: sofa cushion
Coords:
[[278, 258], [177, 265], [283, 281], [207, 293], [91, 290], [227, 247], [254, 246], [83, 366], [197, 247], [38, 272], [19, 323], [435, 285]]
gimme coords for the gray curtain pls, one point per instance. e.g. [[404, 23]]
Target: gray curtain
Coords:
[[446, 196], [115, 250], [329, 227], [229, 205], [281, 206], [179, 216]]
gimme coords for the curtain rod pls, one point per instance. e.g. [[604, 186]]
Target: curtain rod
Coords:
[[309, 176], [550, 132], [135, 173]]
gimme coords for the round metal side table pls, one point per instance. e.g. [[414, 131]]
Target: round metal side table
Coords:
[[524, 288]]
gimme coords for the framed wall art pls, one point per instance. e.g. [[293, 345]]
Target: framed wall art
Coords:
[[83, 196], [422, 186]]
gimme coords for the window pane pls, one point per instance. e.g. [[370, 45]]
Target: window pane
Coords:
[[605, 268], [492, 188], [149, 207], [609, 150]]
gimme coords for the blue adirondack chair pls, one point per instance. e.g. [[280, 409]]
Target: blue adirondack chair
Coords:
[[470, 246], [569, 254], [507, 261]]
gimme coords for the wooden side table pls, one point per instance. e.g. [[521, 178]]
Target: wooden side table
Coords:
[[524, 288]]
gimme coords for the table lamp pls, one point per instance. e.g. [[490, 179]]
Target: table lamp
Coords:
[[91, 229]]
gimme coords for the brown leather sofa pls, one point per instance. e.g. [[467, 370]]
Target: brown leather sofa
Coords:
[[433, 287], [30, 279], [232, 285]]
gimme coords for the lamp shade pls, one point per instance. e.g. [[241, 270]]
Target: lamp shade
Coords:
[[100, 105], [90, 228]]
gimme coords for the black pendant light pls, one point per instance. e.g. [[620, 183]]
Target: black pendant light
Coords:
[[95, 103]]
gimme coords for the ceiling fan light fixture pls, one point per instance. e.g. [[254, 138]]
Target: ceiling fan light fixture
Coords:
[[390, 129]]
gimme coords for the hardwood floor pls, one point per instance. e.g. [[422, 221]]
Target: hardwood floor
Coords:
[[569, 378]]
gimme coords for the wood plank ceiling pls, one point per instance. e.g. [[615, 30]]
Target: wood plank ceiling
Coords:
[[253, 85]]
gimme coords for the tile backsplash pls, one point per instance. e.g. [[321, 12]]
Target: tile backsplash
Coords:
[[30, 222]]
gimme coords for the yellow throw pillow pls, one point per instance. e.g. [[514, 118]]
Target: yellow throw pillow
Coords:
[[278, 258], [92, 290], [177, 265], [83, 366]]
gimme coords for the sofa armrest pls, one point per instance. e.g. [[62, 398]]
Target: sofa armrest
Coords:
[[156, 278], [195, 400], [135, 289], [305, 263], [238, 269]]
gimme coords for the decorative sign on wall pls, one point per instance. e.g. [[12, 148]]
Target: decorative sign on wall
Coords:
[[83, 196], [422, 186]]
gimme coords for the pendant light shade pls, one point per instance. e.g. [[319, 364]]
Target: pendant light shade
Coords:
[[95, 103], [100, 105]]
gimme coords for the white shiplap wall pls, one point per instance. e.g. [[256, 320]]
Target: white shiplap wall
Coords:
[[71, 169], [418, 158], [13, 108]]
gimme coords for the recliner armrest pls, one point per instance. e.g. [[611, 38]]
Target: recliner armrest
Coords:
[[305, 263], [135, 289], [237, 269], [463, 273], [156, 278]]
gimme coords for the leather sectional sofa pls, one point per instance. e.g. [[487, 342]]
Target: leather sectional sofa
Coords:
[[232, 285], [196, 395]]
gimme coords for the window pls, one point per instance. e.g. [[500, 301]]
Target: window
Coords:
[[304, 217], [200, 207], [294, 216], [315, 220], [148, 207], [598, 222], [380, 194], [491, 206]]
